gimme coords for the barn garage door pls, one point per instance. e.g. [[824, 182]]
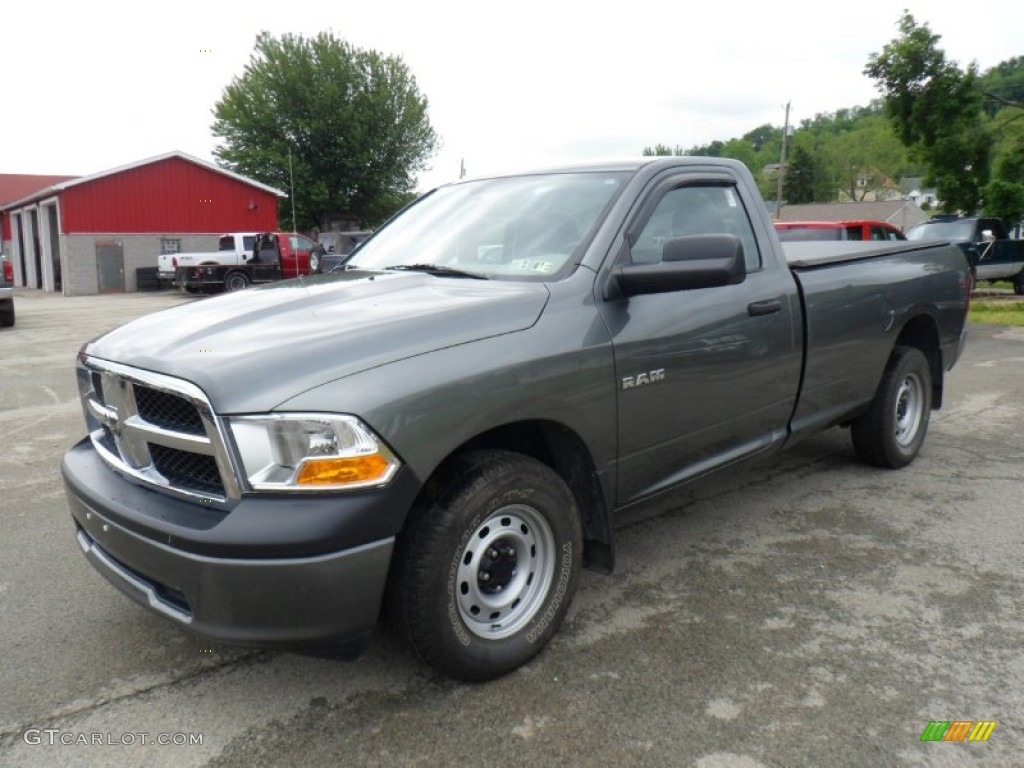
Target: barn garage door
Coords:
[[110, 266], [51, 212]]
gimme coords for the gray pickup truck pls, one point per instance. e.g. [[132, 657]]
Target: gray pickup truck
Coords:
[[446, 429]]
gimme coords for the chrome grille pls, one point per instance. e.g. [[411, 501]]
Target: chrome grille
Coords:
[[156, 428], [167, 410], [187, 469]]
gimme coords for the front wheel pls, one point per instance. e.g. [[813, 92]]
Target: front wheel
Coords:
[[487, 566], [1018, 284], [891, 432], [236, 281], [314, 264]]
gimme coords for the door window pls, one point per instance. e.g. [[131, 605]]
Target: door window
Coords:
[[300, 243], [697, 209]]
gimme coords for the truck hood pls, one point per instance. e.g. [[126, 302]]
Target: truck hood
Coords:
[[252, 350]]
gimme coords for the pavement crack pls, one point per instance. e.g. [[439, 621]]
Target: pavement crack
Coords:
[[12, 733]]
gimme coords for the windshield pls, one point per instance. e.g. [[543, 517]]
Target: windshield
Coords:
[[517, 228], [955, 231]]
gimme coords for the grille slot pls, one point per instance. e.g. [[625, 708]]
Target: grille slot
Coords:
[[185, 469], [156, 429], [168, 411]]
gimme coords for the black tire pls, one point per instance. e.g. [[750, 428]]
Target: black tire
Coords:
[[487, 565], [891, 432], [1018, 284], [7, 314], [236, 281]]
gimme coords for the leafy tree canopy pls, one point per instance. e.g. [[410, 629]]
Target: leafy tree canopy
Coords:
[[352, 123], [951, 118], [958, 128]]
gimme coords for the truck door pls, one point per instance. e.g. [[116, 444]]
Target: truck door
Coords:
[[709, 375], [287, 256], [299, 250]]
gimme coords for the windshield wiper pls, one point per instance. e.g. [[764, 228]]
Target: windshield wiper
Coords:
[[436, 269]]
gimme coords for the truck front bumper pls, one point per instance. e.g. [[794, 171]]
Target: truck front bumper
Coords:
[[268, 599]]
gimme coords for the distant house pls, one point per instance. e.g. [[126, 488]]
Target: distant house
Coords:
[[89, 234], [900, 213], [870, 186], [913, 189]]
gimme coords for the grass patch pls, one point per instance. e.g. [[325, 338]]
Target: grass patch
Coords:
[[997, 312]]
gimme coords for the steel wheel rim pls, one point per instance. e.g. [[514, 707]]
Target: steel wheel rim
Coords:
[[909, 409], [314, 263], [524, 579], [236, 283]]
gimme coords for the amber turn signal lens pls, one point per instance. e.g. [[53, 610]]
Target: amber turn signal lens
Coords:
[[343, 471]]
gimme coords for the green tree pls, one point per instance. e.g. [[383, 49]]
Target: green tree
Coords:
[[762, 136], [866, 160], [714, 149], [937, 110], [352, 124], [851, 144], [1004, 195], [798, 185], [663, 150], [1003, 85]]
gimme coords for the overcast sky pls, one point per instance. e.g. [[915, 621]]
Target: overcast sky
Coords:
[[88, 86]]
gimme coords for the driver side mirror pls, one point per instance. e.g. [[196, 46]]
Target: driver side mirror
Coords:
[[988, 236], [687, 263]]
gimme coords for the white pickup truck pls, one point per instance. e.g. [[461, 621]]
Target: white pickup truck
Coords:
[[232, 248]]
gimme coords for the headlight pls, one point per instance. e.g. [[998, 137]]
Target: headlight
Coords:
[[311, 452]]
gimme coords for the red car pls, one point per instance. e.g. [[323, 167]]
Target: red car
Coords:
[[790, 231]]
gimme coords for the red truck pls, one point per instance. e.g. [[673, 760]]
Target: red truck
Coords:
[[275, 256], [798, 231]]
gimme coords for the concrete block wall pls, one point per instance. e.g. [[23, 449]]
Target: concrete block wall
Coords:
[[78, 257]]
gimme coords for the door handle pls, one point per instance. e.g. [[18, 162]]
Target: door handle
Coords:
[[767, 307]]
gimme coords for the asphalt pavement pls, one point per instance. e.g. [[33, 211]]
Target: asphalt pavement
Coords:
[[803, 609]]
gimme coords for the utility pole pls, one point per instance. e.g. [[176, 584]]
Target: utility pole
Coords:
[[782, 166], [291, 176]]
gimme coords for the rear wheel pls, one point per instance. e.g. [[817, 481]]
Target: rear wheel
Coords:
[[1018, 284], [487, 566], [7, 314], [314, 263], [891, 432], [236, 281]]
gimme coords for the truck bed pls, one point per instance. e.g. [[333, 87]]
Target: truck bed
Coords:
[[854, 294], [813, 254]]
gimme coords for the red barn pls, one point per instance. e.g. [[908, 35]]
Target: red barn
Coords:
[[90, 234]]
